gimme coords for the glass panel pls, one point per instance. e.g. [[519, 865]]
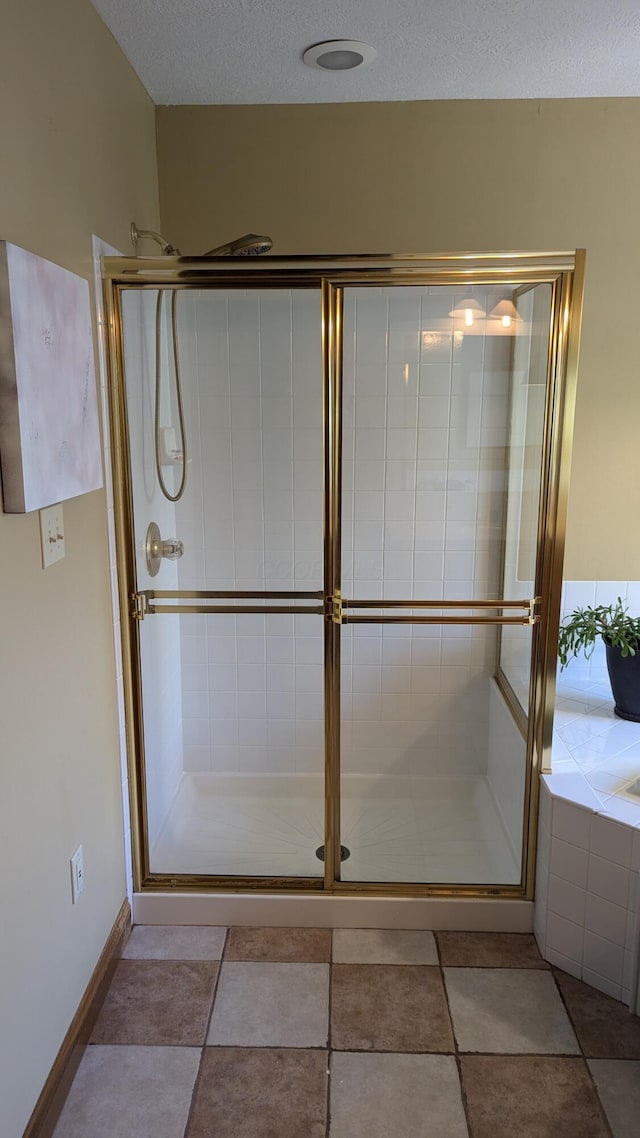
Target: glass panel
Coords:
[[234, 738], [528, 385], [432, 763], [425, 419], [251, 371], [232, 705]]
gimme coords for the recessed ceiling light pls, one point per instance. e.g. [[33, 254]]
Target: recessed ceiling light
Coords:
[[339, 55]]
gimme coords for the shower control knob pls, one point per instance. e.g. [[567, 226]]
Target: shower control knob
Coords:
[[172, 549], [155, 549]]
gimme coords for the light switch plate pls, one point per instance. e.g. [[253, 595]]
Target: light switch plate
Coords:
[[77, 874], [52, 534]]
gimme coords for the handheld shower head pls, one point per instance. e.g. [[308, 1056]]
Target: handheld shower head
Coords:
[[249, 245]]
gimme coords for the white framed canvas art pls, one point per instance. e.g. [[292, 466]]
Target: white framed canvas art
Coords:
[[49, 432]]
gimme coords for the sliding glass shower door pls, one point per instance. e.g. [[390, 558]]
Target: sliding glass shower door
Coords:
[[433, 767], [338, 640], [232, 642]]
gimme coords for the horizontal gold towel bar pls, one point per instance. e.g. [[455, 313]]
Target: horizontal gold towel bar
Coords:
[[230, 594], [346, 619], [439, 604], [266, 610]]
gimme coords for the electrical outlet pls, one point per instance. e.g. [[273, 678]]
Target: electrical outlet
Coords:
[[52, 534], [77, 874]]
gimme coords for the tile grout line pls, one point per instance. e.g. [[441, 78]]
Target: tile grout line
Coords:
[[568, 1011], [597, 1094], [329, 1047], [456, 1052], [360, 1050], [582, 1054], [203, 1049]]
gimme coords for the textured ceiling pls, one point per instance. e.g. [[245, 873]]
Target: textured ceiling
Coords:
[[249, 51]]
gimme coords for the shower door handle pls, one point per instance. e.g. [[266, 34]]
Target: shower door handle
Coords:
[[145, 603], [493, 611]]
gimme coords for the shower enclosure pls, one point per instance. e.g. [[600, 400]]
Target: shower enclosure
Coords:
[[345, 683]]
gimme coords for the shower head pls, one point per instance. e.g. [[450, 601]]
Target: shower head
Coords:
[[249, 245]]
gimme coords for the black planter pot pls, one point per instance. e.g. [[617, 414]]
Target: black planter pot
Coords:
[[624, 674]]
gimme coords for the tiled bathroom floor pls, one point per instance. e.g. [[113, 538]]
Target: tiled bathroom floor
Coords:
[[397, 829], [305, 1033]]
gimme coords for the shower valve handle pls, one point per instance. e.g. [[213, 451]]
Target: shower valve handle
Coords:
[[172, 549], [156, 548]]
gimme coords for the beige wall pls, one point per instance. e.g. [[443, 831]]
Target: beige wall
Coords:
[[435, 177], [77, 147]]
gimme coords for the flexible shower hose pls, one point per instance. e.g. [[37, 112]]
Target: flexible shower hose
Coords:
[[176, 361]]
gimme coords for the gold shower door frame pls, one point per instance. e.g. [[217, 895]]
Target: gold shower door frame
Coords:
[[564, 272]]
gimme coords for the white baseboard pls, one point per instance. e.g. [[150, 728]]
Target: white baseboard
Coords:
[[303, 911]]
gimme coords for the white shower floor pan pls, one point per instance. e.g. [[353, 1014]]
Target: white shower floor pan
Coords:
[[435, 830]]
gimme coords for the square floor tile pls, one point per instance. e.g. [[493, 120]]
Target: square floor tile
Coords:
[[508, 1011], [606, 1028], [271, 1005], [388, 1007], [309, 946], [489, 950], [530, 1095], [407, 1096], [123, 1091], [384, 946], [175, 942], [157, 1002], [618, 1085], [260, 1093]]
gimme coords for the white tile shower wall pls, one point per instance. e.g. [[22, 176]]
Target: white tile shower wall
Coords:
[[159, 635], [587, 912], [252, 520], [506, 767], [424, 476], [424, 435], [252, 696], [526, 436], [252, 517]]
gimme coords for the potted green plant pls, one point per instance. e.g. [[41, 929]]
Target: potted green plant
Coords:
[[621, 635]]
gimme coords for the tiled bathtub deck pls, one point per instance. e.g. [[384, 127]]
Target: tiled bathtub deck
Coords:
[[596, 755], [587, 915], [305, 1033]]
